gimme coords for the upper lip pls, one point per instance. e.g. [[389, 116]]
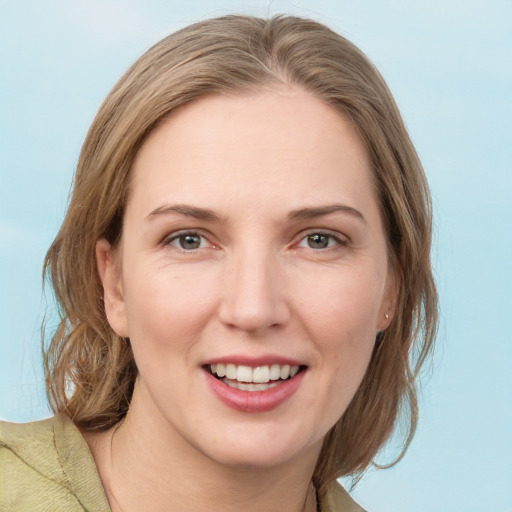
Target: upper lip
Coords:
[[244, 359]]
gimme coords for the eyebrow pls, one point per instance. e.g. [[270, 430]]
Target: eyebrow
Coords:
[[210, 215], [319, 211], [186, 210]]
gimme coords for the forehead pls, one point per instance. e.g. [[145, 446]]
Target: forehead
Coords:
[[280, 146]]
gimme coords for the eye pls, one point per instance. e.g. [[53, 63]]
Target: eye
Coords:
[[188, 241], [320, 241]]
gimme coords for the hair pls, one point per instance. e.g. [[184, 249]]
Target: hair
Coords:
[[242, 55]]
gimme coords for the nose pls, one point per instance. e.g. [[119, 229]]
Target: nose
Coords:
[[253, 296]]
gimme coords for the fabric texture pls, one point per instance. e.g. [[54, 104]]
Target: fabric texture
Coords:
[[47, 466]]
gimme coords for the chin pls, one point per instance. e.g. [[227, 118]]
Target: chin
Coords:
[[252, 460], [256, 452]]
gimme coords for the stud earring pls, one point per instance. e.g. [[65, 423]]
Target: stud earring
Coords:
[[387, 316]]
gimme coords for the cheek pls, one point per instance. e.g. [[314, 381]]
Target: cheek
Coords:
[[340, 314], [167, 309], [343, 309]]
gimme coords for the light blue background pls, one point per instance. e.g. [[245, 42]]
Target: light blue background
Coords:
[[449, 63]]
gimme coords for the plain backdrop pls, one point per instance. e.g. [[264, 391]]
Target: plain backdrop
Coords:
[[449, 64]]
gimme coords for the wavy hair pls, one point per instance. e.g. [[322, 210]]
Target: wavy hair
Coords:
[[241, 54]]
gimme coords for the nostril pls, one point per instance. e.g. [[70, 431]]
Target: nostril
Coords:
[[253, 299]]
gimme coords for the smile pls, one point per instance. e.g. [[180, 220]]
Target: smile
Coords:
[[259, 375], [247, 378]]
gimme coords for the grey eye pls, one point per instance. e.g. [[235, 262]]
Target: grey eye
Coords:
[[187, 241], [190, 241], [318, 241]]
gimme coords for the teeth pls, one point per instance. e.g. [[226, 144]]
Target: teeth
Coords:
[[231, 372], [275, 372], [246, 386], [244, 374], [261, 374], [285, 371], [258, 375]]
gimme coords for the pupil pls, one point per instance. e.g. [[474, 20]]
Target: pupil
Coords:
[[190, 241], [318, 241]]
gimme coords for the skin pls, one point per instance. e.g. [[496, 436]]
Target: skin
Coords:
[[256, 285]]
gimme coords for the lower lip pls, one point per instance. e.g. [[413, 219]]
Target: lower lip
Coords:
[[254, 401]]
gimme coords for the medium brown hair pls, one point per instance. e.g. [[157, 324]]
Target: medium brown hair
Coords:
[[238, 54]]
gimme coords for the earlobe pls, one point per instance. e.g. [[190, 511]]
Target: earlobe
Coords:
[[109, 270], [384, 320], [388, 306]]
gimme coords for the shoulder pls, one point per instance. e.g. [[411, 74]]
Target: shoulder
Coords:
[[47, 465], [337, 499]]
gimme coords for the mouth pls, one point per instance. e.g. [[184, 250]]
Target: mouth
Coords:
[[259, 378]]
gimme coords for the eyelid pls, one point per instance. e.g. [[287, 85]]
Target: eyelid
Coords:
[[337, 240], [336, 235], [171, 237], [340, 238]]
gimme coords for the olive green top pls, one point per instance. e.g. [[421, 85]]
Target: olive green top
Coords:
[[47, 466]]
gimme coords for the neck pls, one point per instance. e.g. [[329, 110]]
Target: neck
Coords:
[[145, 465]]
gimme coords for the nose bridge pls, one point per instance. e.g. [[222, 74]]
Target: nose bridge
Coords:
[[253, 297]]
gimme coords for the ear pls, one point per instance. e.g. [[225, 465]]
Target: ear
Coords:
[[109, 269], [389, 301]]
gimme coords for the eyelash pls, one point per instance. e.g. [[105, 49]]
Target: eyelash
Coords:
[[337, 240], [182, 234]]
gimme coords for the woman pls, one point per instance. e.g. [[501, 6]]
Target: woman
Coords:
[[244, 281]]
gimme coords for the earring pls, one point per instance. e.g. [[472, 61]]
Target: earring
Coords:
[[387, 316]]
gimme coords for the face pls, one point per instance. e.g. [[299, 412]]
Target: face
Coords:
[[252, 275]]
